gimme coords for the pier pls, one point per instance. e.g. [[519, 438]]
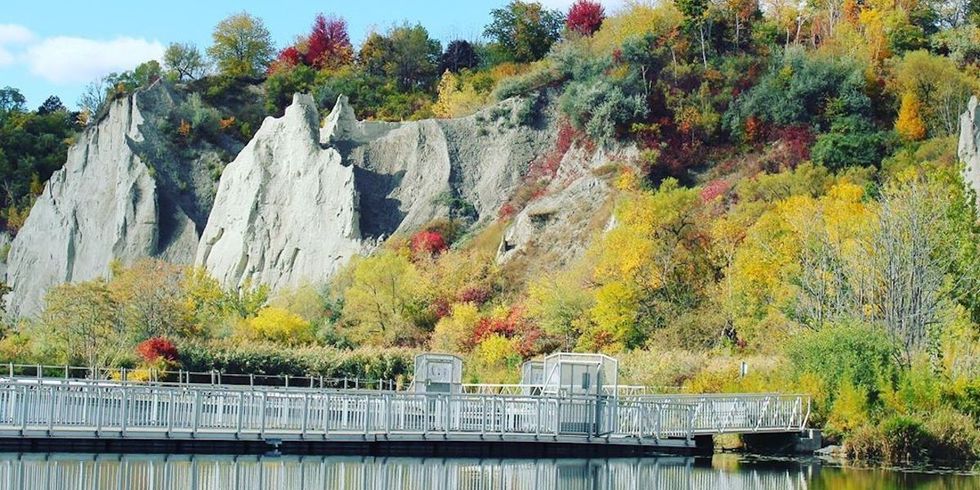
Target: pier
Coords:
[[434, 412]]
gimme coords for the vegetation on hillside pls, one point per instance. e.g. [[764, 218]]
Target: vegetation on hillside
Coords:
[[796, 203]]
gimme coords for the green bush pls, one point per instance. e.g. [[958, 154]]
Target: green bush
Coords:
[[860, 352], [269, 359], [866, 443], [905, 440], [952, 436], [796, 90], [852, 142]]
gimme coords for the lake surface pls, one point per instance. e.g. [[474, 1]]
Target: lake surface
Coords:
[[186, 472]]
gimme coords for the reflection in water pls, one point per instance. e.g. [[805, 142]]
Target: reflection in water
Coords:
[[151, 472]]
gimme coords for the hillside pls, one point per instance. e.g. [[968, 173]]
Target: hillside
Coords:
[[686, 185]]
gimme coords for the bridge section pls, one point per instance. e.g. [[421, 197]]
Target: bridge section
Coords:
[[104, 410]]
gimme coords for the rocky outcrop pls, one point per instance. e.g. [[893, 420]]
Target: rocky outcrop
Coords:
[[102, 206], [411, 173], [300, 200], [969, 146], [286, 211]]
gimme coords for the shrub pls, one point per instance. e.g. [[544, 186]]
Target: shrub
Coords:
[[952, 436], [904, 440], [428, 243], [859, 352], [152, 350], [279, 325], [866, 443]]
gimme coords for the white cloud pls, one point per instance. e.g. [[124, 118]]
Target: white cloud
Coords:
[[68, 60], [12, 35]]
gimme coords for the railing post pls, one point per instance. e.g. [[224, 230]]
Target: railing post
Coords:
[[557, 416], [537, 418], [66, 372], [326, 414], [23, 410], [262, 407], [170, 414], [123, 406], [51, 410], [11, 367], [367, 413], [241, 410], [387, 409], [99, 410], [196, 414], [306, 414]]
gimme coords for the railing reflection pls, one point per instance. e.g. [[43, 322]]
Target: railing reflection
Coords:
[[139, 472]]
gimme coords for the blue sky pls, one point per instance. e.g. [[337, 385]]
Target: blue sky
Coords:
[[50, 47]]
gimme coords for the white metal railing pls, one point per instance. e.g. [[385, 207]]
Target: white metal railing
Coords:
[[533, 389], [108, 410], [741, 412], [180, 377]]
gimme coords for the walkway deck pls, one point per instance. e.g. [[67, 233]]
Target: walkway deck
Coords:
[[108, 410]]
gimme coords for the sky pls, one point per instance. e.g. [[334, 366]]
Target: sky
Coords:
[[56, 47]]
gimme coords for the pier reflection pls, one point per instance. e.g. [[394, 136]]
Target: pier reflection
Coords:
[[204, 472]]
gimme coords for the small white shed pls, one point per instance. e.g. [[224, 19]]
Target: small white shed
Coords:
[[437, 373], [573, 374]]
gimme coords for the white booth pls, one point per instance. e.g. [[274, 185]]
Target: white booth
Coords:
[[532, 377], [571, 374], [437, 373]]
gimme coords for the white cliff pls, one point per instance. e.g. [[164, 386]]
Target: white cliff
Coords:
[[286, 211], [102, 206]]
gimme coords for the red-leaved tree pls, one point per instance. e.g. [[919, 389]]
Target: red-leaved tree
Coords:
[[291, 56], [585, 17], [329, 45], [156, 348], [428, 242]]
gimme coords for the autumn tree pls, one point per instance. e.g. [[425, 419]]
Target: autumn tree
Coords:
[[82, 324], [150, 300], [456, 98], [278, 325], [524, 31], [459, 55], [695, 17], [184, 61], [328, 45], [941, 88], [242, 46], [585, 17], [382, 303], [909, 124]]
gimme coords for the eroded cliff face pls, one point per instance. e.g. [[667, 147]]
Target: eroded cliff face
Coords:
[[286, 211], [104, 205], [969, 146], [301, 200], [131, 188]]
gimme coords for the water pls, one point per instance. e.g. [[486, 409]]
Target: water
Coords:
[[184, 472]]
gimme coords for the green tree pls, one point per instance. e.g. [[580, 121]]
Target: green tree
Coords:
[[414, 58], [382, 303], [524, 31], [82, 324], [184, 61], [242, 46]]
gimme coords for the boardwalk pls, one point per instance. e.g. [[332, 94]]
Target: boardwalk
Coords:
[[80, 409]]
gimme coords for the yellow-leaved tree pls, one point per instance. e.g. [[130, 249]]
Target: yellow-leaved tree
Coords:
[[909, 124], [278, 325], [456, 98]]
